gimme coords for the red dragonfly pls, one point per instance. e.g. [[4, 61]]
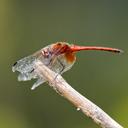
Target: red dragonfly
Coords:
[[59, 57]]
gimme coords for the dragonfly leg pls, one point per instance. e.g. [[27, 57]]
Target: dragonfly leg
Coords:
[[63, 67]]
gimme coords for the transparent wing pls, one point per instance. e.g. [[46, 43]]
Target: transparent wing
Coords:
[[38, 83]]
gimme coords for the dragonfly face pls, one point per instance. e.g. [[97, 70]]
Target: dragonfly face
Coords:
[[59, 57]]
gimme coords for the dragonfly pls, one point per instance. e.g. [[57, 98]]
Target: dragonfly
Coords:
[[59, 57]]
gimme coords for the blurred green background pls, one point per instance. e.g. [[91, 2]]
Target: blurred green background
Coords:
[[27, 26]]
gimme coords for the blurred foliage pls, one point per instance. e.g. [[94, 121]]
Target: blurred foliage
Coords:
[[27, 26]]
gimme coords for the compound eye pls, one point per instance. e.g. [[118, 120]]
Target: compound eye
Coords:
[[45, 53]]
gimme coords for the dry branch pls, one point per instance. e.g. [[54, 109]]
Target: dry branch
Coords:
[[79, 101]]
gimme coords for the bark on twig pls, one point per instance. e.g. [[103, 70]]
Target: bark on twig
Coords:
[[79, 101]]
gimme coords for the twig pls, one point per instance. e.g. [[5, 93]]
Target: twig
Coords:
[[79, 101]]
